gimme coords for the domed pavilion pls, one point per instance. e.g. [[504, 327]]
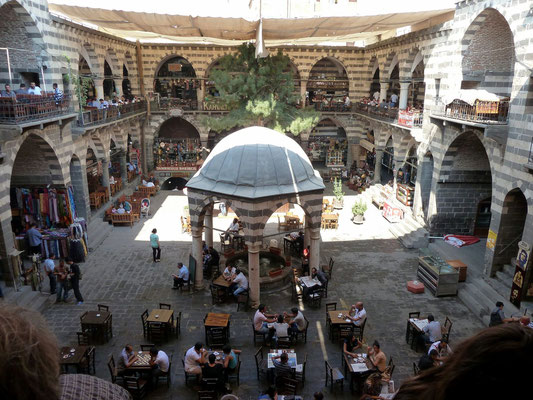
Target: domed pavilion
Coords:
[[254, 171]]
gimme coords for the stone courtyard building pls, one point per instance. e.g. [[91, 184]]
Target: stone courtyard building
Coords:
[[473, 167]]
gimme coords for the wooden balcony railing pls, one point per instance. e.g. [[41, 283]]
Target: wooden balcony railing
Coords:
[[94, 116], [27, 108], [483, 112]]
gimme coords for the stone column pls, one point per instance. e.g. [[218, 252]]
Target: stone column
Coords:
[[307, 233], [253, 272], [208, 224], [99, 86], [118, 86], [105, 174], [303, 89], [404, 94], [314, 257], [123, 167], [383, 91], [377, 166], [6, 246], [200, 95], [196, 233]]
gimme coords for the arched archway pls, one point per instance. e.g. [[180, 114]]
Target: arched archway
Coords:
[[93, 170], [328, 83], [78, 180], [174, 78], [177, 142], [328, 146], [126, 84], [85, 71], [375, 86], [488, 54], [465, 174], [109, 83]]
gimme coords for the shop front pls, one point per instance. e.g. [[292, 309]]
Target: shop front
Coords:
[[328, 147]]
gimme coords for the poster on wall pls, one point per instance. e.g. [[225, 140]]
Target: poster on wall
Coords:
[[491, 239], [522, 259]]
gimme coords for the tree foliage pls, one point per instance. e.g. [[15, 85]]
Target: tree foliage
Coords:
[[258, 91]]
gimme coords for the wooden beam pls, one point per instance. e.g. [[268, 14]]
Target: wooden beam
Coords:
[[140, 70]]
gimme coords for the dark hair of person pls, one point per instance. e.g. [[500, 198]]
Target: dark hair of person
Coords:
[[271, 391], [154, 230], [499, 304], [434, 353], [29, 356], [226, 349], [479, 368], [154, 350], [237, 271], [376, 343], [198, 346], [261, 307], [294, 310], [212, 358], [180, 265], [318, 396], [431, 317]]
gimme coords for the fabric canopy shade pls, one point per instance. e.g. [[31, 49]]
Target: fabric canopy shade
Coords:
[[186, 28], [471, 95]]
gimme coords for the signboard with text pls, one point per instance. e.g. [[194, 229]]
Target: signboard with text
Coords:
[[522, 259]]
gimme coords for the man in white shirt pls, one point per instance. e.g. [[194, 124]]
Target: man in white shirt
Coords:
[[229, 273], [49, 270], [233, 228], [281, 329], [148, 184], [297, 323], [432, 330], [394, 100], [347, 103], [194, 358], [262, 319], [35, 90], [159, 362], [376, 95], [357, 314], [182, 277], [241, 282], [442, 348]]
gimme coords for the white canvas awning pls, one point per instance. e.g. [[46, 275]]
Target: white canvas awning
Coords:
[[366, 145], [471, 95], [148, 26]]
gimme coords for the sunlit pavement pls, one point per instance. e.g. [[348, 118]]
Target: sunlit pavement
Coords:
[[369, 265]]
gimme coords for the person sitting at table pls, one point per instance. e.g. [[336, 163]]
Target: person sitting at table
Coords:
[[182, 277], [213, 259], [351, 344], [120, 209], [497, 316], [297, 323], [241, 283], [281, 367], [112, 180], [148, 184], [270, 394], [232, 229], [429, 360], [229, 273], [357, 314], [159, 362], [443, 349], [432, 331], [213, 370], [320, 275], [262, 319], [372, 387], [127, 206], [280, 328], [194, 358], [126, 360], [525, 321], [378, 358], [230, 359]]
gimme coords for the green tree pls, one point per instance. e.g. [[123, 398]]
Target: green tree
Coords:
[[258, 91]]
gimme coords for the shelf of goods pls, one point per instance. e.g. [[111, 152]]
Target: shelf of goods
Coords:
[[437, 275], [334, 158], [405, 194]]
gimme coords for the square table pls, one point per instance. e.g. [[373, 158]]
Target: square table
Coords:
[[97, 322], [309, 282], [222, 282], [415, 327], [461, 267], [71, 356], [142, 363], [161, 316], [217, 320], [217, 329], [335, 320], [358, 367], [290, 352]]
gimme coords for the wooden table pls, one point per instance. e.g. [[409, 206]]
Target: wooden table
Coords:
[[161, 316], [222, 282], [142, 363], [96, 322], [357, 367], [461, 267], [415, 327], [217, 329], [68, 358], [309, 282], [337, 323], [290, 352]]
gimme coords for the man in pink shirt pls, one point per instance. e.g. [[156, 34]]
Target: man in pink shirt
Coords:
[[262, 319]]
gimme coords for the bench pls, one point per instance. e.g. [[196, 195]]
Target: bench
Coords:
[[123, 219], [147, 191], [379, 198]]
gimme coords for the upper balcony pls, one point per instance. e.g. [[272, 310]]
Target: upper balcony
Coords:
[[27, 110], [92, 117], [410, 119]]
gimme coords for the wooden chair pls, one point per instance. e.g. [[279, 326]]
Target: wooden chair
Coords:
[[287, 386], [164, 306], [284, 342], [330, 307], [108, 328], [157, 332], [235, 375], [136, 386], [446, 329], [296, 290], [188, 376], [281, 224], [302, 334], [242, 300], [113, 369], [315, 299], [207, 395], [83, 338], [390, 367], [166, 375], [258, 335], [359, 329], [88, 363], [218, 295], [261, 364], [328, 269], [300, 375], [118, 219], [215, 337], [416, 370], [102, 307], [333, 375], [177, 325], [144, 319], [415, 314]]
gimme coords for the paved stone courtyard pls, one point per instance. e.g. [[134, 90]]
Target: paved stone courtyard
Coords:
[[120, 273]]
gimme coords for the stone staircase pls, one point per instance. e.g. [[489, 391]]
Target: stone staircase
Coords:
[[98, 231], [27, 298]]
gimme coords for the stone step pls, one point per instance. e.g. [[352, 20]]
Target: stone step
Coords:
[[98, 231], [509, 270], [470, 301], [502, 286], [27, 298]]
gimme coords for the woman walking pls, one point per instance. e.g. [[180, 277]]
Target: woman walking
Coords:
[[156, 249]]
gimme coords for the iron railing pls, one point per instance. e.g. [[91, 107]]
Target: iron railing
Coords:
[[95, 116], [484, 112], [167, 103], [27, 108], [407, 118]]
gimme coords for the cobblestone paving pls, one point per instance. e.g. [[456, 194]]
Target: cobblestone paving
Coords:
[[120, 273]]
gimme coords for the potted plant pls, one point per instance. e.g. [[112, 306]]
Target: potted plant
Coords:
[[338, 201], [358, 211]]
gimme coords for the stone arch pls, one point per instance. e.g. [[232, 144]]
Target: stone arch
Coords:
[[488, 53], [414, 58], [391, 62], [341, 68], [190, 124], [112, 59], [89, 53], [98, 147], [169, 57]]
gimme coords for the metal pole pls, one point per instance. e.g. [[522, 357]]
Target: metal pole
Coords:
[[9, 69]]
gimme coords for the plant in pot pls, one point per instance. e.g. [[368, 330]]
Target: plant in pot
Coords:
[[358, 211], [338, 201]]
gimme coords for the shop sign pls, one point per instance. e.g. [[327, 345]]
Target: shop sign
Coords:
[[522, 259], [181, 169], [491, 239], [174, 67]]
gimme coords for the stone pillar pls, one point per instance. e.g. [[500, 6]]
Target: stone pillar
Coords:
[[196, 233], [253, 272], [314, 256], [307, 233], [99, 86], [377, 166], [6, 246], [200, 95], [303, 90], [383, 91], [105, 174], [123, 167], [118, 86], [78, 179], [404, 94], [208, 224]]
